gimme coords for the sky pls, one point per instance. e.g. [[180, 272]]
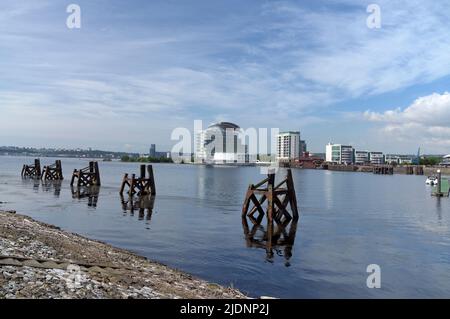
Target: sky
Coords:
[[136, 70]]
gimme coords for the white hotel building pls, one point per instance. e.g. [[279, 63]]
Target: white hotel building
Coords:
[[221, 143]]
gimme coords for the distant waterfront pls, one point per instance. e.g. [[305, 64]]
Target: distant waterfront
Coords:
[[61, 152]]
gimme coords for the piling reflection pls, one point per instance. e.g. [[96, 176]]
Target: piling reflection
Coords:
[[276, 238], [52, 186], [439, 209], [91, 193], [142, 204], [32, 181]]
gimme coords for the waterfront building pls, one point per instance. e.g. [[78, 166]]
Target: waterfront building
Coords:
[[445, 160], [376, 158], [199, 147], [399, 159], [340, 154], [152, 152], [221, 143], [303, 148], [288, 145], [362, 157]]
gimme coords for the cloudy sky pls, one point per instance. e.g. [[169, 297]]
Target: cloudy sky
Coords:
[[138, 69]]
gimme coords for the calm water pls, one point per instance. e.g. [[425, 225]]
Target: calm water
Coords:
[[347, 221]]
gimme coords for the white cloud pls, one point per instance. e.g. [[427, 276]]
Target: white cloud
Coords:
[[426, 121]]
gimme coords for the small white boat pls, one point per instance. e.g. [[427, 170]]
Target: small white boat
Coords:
[[431, 180]]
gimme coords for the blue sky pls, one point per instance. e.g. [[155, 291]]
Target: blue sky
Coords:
[[138, 69]]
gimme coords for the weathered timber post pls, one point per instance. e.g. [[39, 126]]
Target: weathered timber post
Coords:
[[151, 180], [124, 181], [131, 191], [97, 174]]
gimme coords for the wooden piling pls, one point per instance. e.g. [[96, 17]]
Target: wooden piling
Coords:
[[52, 172], [88, 176], [33, 171], [139, 185], [277, 197]]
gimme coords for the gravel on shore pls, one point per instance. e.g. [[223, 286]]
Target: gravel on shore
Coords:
[[42, 261]]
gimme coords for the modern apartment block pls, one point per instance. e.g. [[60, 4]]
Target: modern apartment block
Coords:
[[362, 157], [376, 158], [152, 152], [340, 154], [288, 145]]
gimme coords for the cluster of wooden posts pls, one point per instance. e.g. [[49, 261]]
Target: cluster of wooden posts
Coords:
[[51, 172], [143, 188], [276, 202], [86, 181]]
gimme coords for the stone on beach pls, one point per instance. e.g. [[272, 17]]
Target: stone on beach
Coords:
[[41, 261]]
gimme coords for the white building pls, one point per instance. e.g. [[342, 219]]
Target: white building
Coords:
[[362, 157], [445, 160], [221, 143], [338, 153], [376, 158], [200, 150], [398, 159], [288, 145]]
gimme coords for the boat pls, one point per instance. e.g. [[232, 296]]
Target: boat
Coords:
[[431, 180]]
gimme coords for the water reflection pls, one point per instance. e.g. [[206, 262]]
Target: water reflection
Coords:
[[31, 181], [142, 204], [89, 192], [277, 237], [439, 209], [52, 185]]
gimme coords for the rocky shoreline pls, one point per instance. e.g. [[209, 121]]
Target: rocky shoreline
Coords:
[[42, 261]]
